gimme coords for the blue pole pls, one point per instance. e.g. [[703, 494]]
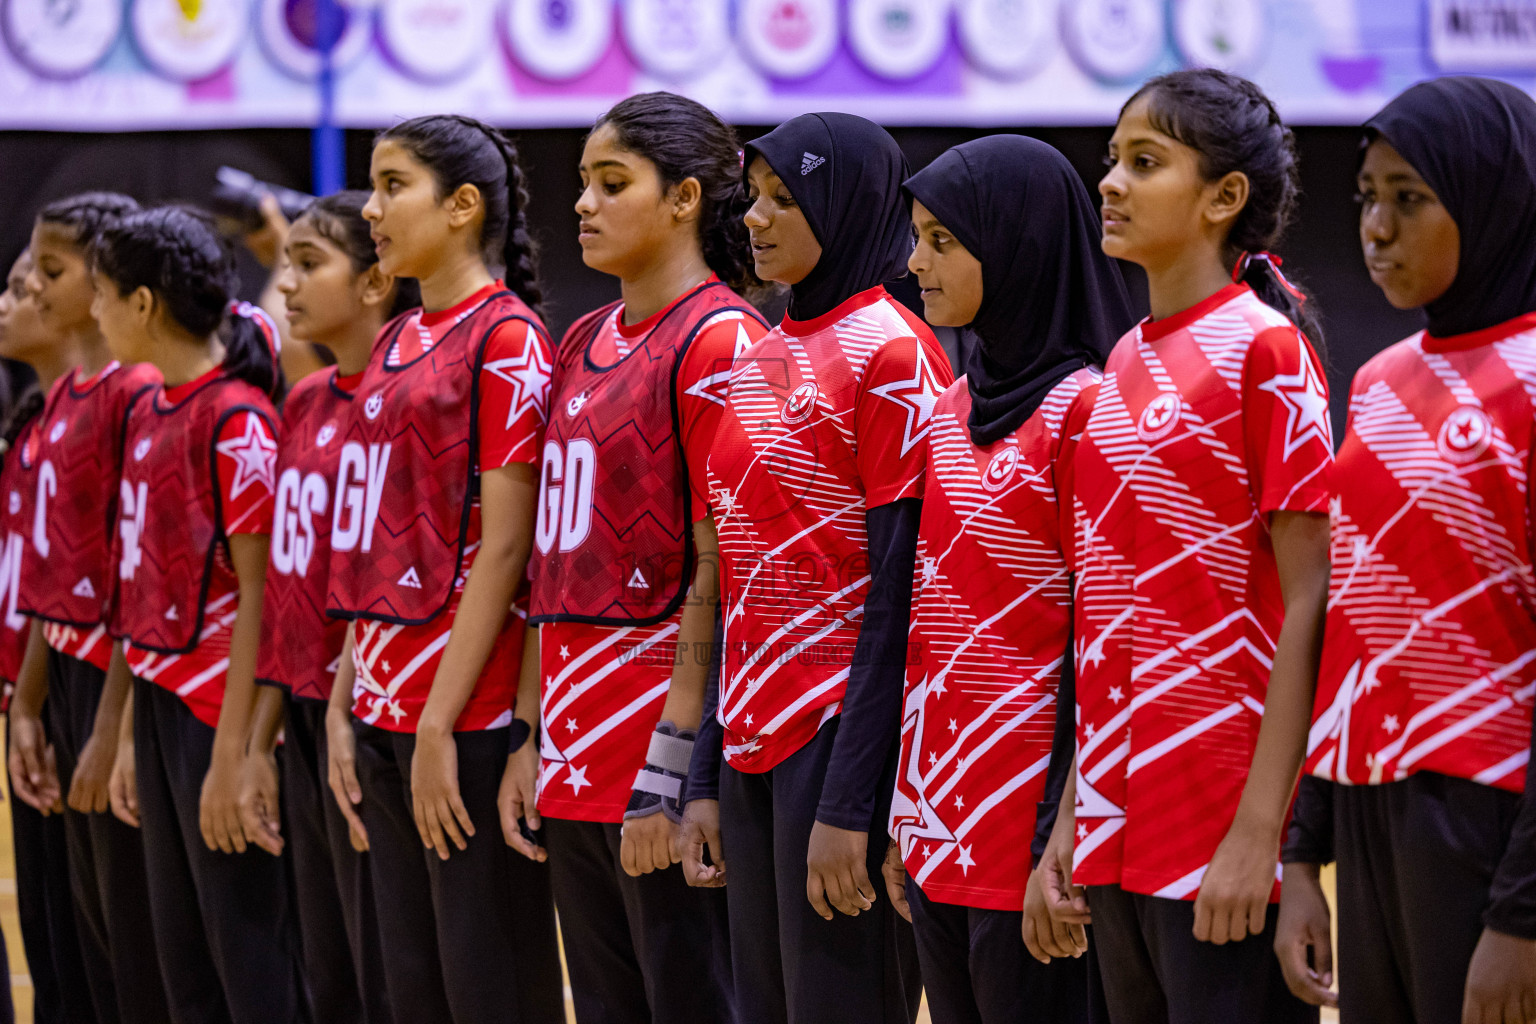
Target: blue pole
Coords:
[[328, 158]]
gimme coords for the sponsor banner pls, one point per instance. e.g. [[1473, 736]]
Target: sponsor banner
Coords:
[[147, 64]]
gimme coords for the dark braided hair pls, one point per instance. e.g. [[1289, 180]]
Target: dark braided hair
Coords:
[[460, 150], [27, 405], [86, 214], [685, 139], [338, 218], [177, 253], [1233, 126]]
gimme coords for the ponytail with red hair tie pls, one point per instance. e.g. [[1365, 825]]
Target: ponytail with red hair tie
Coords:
[[263, 321], [1240, 269]]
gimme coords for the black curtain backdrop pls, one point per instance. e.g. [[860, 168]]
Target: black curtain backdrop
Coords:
[[1321, 249]]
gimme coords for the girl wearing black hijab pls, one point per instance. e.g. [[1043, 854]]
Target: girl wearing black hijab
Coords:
[[1423, 711], [1007, 245], [815, 485]]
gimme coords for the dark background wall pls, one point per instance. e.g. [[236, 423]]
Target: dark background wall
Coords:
[[1321, 250]]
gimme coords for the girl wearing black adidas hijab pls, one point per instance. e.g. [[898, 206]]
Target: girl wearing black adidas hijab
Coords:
[[815, 485], [1007, 245], [1422, 722]]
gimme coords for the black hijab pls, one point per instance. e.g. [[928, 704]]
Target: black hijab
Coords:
[[845, 173], [1473, 140], [1051, 301]]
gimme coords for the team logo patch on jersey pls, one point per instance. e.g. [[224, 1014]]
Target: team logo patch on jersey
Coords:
[[374, 405], [410, 579], [801, 403], [171, 615], [637, 580], [324, 437], [57, 431], [84, 588], [1465, 434], [576, 403], [1159, 417], [15, 502], [809, 162], [1000, 470], [141, 449]]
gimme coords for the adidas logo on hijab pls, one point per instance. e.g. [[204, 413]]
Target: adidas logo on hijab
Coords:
[[809, 162]]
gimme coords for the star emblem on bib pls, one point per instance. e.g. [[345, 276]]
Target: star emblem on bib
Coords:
[[529, 375], [916, 395], [1306, 405], [255, 455]]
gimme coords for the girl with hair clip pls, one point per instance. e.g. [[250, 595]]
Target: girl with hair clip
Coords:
[[1201, 560], [1422, 724], [193, 518], [1007, 246], [624, 608], [72, 456], [337, 297], [434, 521], [44, 904], [815, 482]]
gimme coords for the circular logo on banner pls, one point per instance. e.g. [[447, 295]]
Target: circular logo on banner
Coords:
[[676, 38], [1113, 39], [1226, 34], [1159, 417], [898, 38], [1000, 470], [789, 38], [801, 403], [189, 41], [559, 39], [1465, 434], [291, 34], [61, 39], [1008, 38], [435, 39]]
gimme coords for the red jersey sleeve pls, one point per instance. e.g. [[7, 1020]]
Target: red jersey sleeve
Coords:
[[246, 466], [514, 395], [1072, 427], [1286, 425], [891, 418], [703, 375]]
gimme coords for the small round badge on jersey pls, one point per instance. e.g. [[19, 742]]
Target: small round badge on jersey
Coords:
[[1008, 39], [141, 449], [61, 40], [1159, 418], [558, 39], [800, 405], [189, 40], [1000, 470], [436, 40], [59, 426], [1465, 434], [374, 405], [15, 502], [898, 39], [1226, 34], [788, 38], [290, 33], [576, 404], [1113, 40], [325, 436], [676, 39]]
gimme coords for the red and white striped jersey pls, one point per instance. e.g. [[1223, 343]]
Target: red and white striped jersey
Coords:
[[397, 663], [991, 622], [603, 687], [825, 419], [1430, 643], [1205, 423]]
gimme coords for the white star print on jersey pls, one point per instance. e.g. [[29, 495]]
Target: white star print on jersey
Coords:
[[990, 621], [255, 455], [1429, 653], [916, 396], [528, 373], [1177, 603]]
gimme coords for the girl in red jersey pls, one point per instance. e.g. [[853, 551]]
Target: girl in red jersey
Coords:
[[816, 480], [72, 457], [44, 904], [335, 296], [1200, 487], [1423, 713], [1007, 245], [434, 521], [194, 513], [625, 611]]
